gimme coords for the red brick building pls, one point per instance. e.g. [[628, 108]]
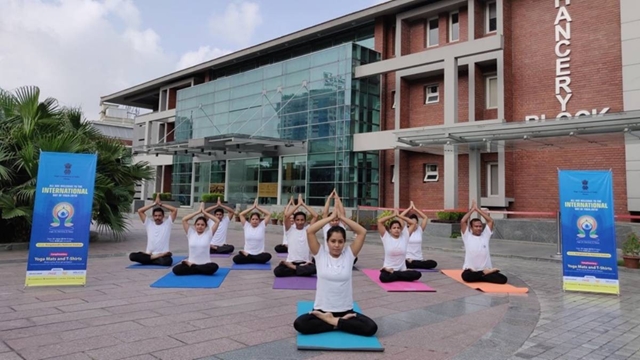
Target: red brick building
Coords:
[[512, 85]]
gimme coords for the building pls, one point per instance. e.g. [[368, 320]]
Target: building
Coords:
[[116, 122], [435, 101]]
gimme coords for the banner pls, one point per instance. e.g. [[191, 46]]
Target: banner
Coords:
[[589, 259], [61, 220]]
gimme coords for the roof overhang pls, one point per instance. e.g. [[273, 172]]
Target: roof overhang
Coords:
[[324, 29], [228, 142]]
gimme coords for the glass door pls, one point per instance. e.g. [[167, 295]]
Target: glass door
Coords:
[[243, 180], [293, 172]]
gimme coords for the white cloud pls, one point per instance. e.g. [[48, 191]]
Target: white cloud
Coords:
[[71, 50], [204, 53], [238, 22]]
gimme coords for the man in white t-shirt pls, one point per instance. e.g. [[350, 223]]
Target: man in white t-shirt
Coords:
[[158, 235], [218, 242], [298, 262], [477, 259]]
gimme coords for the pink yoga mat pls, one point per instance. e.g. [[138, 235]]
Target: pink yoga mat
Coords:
[[295, 283], [397, 286]]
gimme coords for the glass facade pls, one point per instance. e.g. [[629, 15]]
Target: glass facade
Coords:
[[312, 98]]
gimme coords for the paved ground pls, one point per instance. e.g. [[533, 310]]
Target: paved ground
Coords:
[[118, 316]]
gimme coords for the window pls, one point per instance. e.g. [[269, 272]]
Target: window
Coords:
[[393, 99], [491, 92], [492, 179], [430, 173], [432, 32], [491, 14], [431, 94], [393, 174], [454, 27]]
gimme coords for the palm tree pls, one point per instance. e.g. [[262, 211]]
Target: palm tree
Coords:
[[30, 126]]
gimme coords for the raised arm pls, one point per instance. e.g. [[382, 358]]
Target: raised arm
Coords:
[[382, 229], [290, 210], [361, 234], [174, 211], [410, 223], [327, 205], [267, 214], [424, 217], [185, 220], [312, 240], [142, 212], [486, 217], [464, 222], [215, 220], [314, 215], [243, 219]]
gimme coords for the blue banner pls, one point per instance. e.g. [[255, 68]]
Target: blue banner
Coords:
[[61, 219], [589, 259]]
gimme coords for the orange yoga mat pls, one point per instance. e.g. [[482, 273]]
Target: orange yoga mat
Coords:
[[484, 286]]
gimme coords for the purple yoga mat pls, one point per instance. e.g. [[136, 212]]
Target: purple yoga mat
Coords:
[[425, 270], [219, 255], [283, 255], [295, 283]]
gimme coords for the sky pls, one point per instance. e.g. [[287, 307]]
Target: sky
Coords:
[[78, 50]]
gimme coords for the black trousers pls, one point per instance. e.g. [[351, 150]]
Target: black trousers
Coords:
[[222, 249], [282, 248], [301, 270], [359, 325], [407, 275], [145, 259], [252, 259], [421, 264], [204, 269], [469, 275]]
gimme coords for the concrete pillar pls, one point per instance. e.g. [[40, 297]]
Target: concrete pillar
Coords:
[[474, 176], [500, 75], [501, 170], [450, 176], [450, 118], [471, 19], [472, 91], [396, 174]]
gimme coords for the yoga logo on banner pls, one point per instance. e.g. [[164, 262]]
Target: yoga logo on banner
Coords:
[[61, 220], [589, 260]]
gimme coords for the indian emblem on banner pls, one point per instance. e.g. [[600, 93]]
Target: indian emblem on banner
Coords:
[[62, 214], [67, 169], [587, 225]]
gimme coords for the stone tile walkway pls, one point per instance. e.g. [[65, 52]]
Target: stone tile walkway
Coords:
[[118, 316]]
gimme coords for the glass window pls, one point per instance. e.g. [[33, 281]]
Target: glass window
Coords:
[[492, 92], [433, 35], [493, 188], [454, 27], [431, 94], [491, 12]]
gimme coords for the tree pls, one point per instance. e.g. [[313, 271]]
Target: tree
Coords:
[[29, 126]]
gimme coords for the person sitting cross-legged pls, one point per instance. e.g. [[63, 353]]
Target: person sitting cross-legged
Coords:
[[158, 235], [298, 262], [218, 241], [254, 236], [199, 237]]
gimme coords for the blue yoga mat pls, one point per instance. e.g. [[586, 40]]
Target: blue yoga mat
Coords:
[[335, 340], [192, 281], [176, 260], [266, 266]]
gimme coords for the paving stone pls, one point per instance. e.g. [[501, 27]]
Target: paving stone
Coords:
[[67, 348], [131, 349]]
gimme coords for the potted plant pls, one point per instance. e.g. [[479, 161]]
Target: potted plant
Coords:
[[275, 217], [631, 251], [373, 223], [446, 224], [211, 199], [167, 198], [383, 214]]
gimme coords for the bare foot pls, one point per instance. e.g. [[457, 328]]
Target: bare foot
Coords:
[[326, 317], [168, 253], [348, 316], [244, 253]]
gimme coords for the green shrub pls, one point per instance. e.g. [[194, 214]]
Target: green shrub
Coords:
[[631, 247], [384, 214], [450, 215], [212, 197], [163, 196]]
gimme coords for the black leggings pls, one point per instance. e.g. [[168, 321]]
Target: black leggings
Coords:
[[222, 249], [407, 275], [469, 275], [262, 258], [204, 269], [145, 259], [359, 325], [421, 264], [282, 248], [283, 270]]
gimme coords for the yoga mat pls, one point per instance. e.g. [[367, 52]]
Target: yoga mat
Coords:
[[219, 255], [484, 286], [335, 340], [266, 266], [176, 261], [295, 283], [282, 255], [425, 270], [192, 281], [397, 286]]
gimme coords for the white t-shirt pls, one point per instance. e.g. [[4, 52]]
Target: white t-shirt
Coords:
[[199, 246], [476, 250], [414, 247], [395, 250], [285, 241], [298, 246], [334, 287], [254, 238], [220, 237], [158, 235], [325, 230]]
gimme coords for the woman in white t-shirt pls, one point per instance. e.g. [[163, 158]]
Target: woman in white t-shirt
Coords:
[[254, 236], [477, 258], [284, 247], [334, 222], [199, 236], [333, 307], [414, 248], [395, 241]]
